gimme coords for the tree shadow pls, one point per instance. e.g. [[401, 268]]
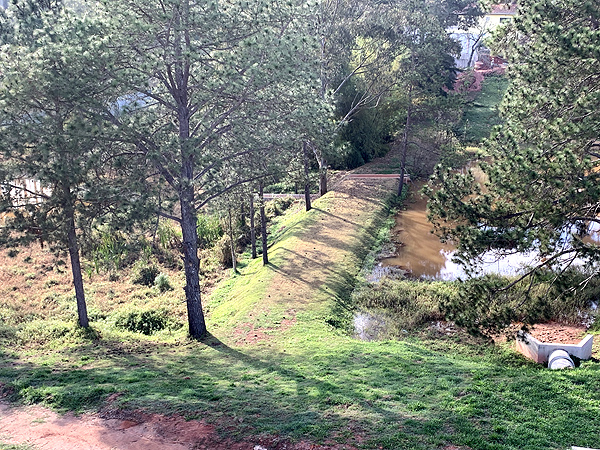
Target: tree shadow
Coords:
[[398, 395]]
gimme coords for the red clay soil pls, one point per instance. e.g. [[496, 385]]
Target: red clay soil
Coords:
[[471, 81], [42, 428], [558, 333]]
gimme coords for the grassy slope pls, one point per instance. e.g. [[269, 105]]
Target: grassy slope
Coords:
[[301, 377], [481, 115]]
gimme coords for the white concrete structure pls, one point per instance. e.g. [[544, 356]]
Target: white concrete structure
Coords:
[[559, 359], [471, 39], [541, 351]]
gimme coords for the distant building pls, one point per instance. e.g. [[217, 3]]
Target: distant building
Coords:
[[471, 40]]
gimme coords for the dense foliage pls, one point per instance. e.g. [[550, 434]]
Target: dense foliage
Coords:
[[543, 190], [177, 104]]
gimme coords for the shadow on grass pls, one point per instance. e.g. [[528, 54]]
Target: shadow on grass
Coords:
[[394, 394]]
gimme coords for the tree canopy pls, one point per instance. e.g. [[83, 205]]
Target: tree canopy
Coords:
[[210, 79], [543, 189], [57, 172]]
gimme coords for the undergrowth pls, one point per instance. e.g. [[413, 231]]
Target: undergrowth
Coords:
[[410, 305]]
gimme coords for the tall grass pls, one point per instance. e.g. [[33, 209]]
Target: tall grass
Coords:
[[409, 305]]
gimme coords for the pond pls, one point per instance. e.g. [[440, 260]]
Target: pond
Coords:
[[421, 254]]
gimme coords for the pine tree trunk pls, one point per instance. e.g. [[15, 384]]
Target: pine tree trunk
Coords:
[[191, 264], [252, 228], [185, 190], [76, 264], [306, 178], [322, 176], [263, 225], [405, 143], [231, 243]]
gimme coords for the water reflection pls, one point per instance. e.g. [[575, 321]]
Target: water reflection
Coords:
[[370, 326], [422, 255]]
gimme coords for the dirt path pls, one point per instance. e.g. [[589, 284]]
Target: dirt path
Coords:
[[44, 429], [39, 428], [305, 273]]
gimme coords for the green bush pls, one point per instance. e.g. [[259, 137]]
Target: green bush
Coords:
[[162, 283], [144, 321], [145, 274], [209, 230]]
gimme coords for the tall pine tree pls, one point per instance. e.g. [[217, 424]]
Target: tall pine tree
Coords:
[[56, 169]]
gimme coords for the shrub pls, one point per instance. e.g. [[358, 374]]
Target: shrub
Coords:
[[145, 321], [109, 250], [145, 274], [209, 230], [162, 283], [223, 251]]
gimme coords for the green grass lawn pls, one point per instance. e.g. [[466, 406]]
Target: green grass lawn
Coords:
[[312, 380], [316, 383]]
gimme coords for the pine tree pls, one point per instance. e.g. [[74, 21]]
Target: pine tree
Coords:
[[203, 78], [56, 170], [543, 192]]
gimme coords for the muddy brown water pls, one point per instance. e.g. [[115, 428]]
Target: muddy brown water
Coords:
[[422, 255]]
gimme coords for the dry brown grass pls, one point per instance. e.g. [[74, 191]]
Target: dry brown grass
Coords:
[[36, 284]]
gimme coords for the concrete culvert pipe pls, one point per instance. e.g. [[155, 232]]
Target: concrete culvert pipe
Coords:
[[560, 359]]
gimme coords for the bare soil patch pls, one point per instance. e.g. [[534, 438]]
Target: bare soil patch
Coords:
[[558, 333], [110, 430]]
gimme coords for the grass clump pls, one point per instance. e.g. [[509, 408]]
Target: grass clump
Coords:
[[16, 447], [145, 274], [408, 304], [162, 283], [146, 322]]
